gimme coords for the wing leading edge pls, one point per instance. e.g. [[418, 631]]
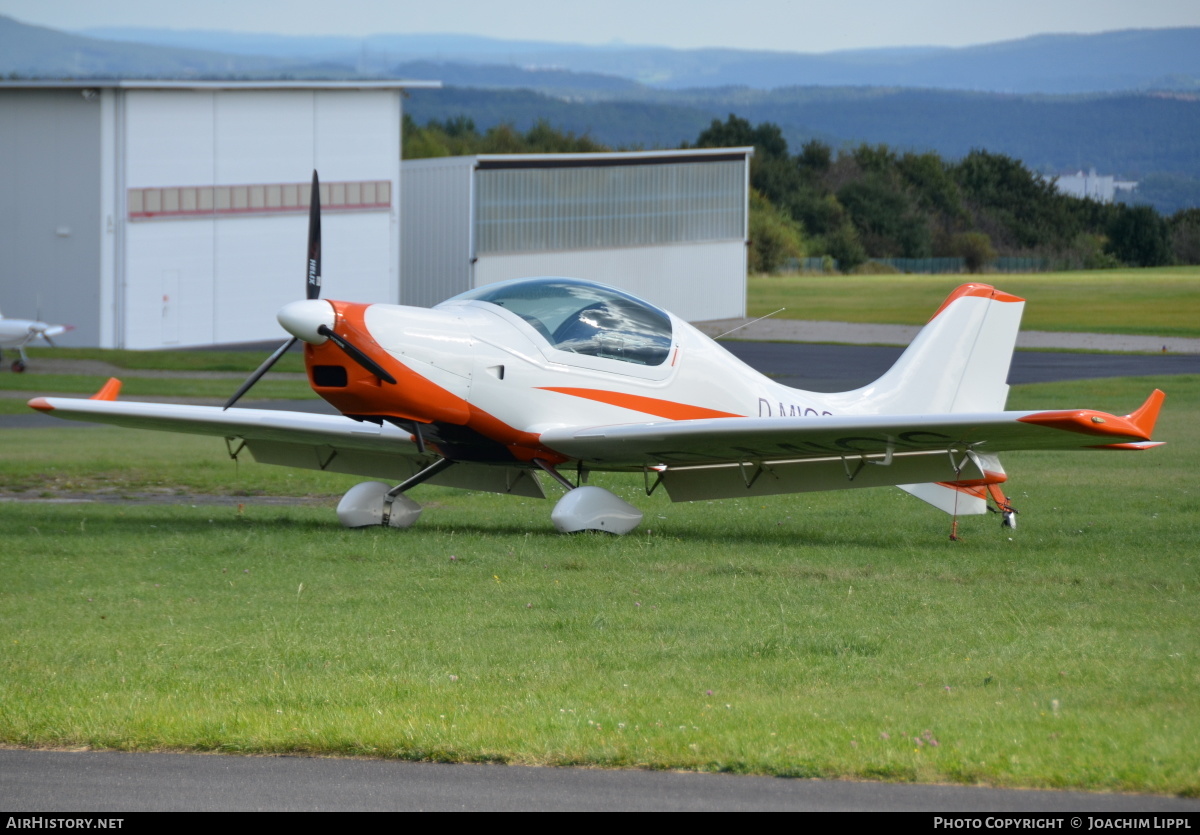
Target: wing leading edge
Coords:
[[693, 459], [296, 439]]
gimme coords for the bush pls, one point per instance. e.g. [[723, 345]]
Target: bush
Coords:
[[975, 248], [774, 236], [874, 268]]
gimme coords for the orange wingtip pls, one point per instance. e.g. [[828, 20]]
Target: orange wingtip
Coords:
[[986, 291], [108, 391], [1139, 424], [41, 404]]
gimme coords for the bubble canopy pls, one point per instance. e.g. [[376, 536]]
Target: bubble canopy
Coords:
[[584, 318]]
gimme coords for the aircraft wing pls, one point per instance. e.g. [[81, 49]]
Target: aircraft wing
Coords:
[[297, 439], [724, 457]]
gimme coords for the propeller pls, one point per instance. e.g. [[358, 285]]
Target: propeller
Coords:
[[46, 331], [313, 291]]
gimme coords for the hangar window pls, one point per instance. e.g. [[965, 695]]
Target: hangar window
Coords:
[[255, 199], [584, 318]]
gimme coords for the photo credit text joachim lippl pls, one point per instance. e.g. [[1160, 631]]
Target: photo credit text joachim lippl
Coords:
[[1077, 822]]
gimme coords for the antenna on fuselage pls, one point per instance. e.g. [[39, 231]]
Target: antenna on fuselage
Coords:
[[751, 322]]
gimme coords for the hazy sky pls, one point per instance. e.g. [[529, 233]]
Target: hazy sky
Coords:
[[791, 25]]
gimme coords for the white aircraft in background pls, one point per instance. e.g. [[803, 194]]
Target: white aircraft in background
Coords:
[[568, 377], [17, 333]]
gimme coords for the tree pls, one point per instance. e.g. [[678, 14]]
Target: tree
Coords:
[[1026, 207], [888, 224], [736, 132], [1138, 236], [815, 157], [1185, 236], [772, 170]]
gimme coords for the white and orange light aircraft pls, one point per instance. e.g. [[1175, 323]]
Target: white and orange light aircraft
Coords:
[[17, 333], [569, 377]]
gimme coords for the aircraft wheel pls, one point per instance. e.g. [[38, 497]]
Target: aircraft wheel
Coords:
[[18, 366], [366, 504], [594, 509]]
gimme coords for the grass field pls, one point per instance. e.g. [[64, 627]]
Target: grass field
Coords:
[[1155, 302], [831, 635]]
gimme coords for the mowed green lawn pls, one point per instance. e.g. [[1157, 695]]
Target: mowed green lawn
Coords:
[[1155, 302], [839, 635]]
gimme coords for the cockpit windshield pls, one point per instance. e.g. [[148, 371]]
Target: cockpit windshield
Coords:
[[584, 318]]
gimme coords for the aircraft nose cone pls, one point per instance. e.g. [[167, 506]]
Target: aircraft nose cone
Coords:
[[301, 319]]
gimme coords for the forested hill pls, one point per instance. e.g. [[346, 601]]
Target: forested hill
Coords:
[[1149, 137], [1121, 134]]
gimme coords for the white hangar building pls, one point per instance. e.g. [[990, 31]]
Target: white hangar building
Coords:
[[153, 213], [669, 226]]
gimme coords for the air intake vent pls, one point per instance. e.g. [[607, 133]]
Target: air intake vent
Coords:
[[329, 376]]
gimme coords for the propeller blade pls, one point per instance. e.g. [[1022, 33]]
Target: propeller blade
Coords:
[[356, 355], [314, 240], [312, 291], [49, 341], [261, 370]]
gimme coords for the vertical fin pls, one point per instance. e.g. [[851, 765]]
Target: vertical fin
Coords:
[[957, 363]]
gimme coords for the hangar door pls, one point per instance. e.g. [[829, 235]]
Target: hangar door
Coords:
[[216, 206]]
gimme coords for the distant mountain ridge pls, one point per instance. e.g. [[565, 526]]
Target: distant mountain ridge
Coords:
[[1132, 59], [39, 52]]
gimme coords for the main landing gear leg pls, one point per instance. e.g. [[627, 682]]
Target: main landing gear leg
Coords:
[[19, 364], [1007, 512], [590, 508], [375, 503]]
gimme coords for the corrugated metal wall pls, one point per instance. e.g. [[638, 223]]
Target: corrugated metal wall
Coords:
[[531, 210], [50, 209], [671, 230], [435, 242]]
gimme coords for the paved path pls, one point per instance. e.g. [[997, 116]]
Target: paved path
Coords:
[[56, 781]]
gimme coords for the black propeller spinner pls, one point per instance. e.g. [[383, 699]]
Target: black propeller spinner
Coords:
[[313, 291]]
